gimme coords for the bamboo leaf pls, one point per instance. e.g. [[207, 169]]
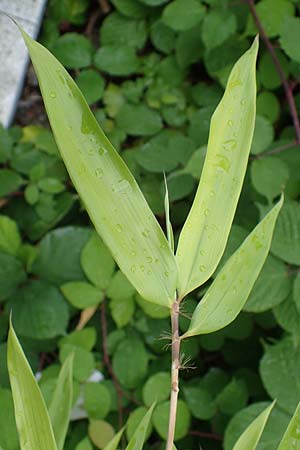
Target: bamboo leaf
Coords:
[[32, 419], [169, 228], [110, 193], [203, 238], [291, 438], [228, 293], [113, 444], [251, 436], [61, 402], [138, 439]]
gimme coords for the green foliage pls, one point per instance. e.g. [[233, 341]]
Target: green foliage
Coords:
[[152, 56]]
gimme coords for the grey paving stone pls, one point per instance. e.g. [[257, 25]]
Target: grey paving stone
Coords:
[[13, 53]]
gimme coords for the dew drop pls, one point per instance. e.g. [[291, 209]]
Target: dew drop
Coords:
[[162, 246], [133, 253], [142, 268], [149, 259], [206, 212], [119, 228], [102, 151], [99, 172], [133, 269], [230, 123], [243, 102], [234, 290], [202, 268], [229, 145], [202, 252], [166, 274], [212, 193], [146, 233], [69, 128], [52, 94], [149, 272]]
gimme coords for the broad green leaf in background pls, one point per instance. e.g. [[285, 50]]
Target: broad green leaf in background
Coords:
[[33, 421], [111, 195], [61, 402], [138, 439], [291, 438], [228, 293], [10, 239], [250, 438], [279, 370], [205, 232], [290, 33]]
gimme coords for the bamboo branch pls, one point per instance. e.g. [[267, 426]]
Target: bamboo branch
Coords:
[[174, 373]]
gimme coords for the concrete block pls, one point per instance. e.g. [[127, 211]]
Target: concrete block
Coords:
[[13, 52]]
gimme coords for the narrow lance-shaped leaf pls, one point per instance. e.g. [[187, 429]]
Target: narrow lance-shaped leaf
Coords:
[[203, 238], [113, 444], [138, 439], [169, 228], [32, 419], [291, 438], [229, 291], [251, 436], [61, 402], [109, 191]]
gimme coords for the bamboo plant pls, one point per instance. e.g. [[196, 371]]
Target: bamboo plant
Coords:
[[125, 222]]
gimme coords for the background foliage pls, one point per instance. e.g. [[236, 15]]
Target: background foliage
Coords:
[[153, 71]]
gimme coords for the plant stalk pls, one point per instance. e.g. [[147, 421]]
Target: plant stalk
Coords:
[[174, 372]]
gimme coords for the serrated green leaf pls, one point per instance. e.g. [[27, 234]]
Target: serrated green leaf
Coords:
[[205, 232], [138, 439], [32, 419], [61, 402], [111, 195], [228, 293], [291, 438], [251, 436]]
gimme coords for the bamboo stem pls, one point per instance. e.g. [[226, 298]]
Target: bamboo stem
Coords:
[[174, 373]]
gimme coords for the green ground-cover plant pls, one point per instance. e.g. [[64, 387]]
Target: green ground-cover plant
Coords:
[[236, 365]]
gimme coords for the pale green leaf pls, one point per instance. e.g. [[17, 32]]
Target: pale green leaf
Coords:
[[251, 436], [32, 419], [228, 293], [205, 232], [61, 402], [113, 444], [291, 438], [138, 439], [111, 195], [169, 228]]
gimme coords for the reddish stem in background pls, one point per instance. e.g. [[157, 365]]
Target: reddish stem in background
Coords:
[[287, 88], [207, 435]]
